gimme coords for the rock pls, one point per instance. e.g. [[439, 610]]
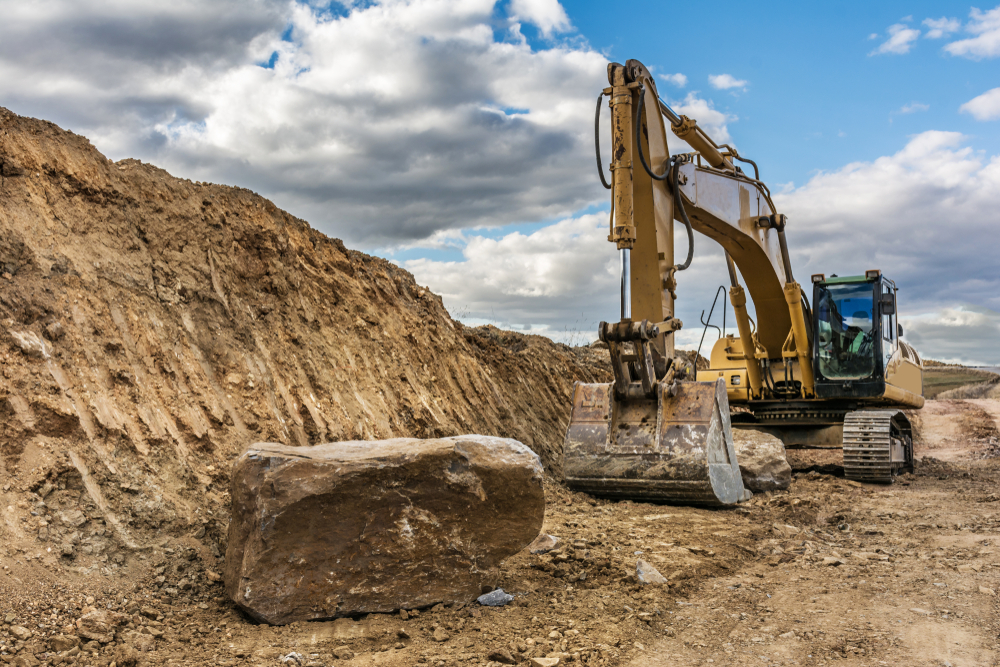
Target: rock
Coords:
[[648, 574], [20, 633], [987, 591], [26, 659], [371, 527], [99, 625], [502, 656], [497, 598], [139, 641], [61, 643], [292, 659], [833, 561], [543, 662], [440, 635], [543, 544], [762, 460], [343, 653]]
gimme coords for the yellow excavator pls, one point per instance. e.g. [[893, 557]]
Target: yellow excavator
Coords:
[[830, 372]]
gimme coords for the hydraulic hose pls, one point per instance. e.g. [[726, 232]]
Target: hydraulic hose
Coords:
[[684, 216], [597, 141], [663, 177], [638, 140]]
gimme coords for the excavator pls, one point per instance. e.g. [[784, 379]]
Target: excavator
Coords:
[[830, 371]]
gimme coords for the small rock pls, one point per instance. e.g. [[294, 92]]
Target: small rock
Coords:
[[292, 659], [502, 656], [440, 635], [20, 632], [61, 643], [832, 561], [402, 634], [648, 574], [403, 615], [987, 591], [497, 598], [543, 544], [149, 612], [343, 653], [543, 662]]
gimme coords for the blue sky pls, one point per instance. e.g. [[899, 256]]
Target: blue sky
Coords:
[[816, 99], [455, 136]]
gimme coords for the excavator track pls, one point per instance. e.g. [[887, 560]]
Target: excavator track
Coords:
[[878, 445]]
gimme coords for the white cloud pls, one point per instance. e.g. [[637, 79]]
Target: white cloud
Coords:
[[925, 216], [913, 107], [380, 122], [959, 334], [941, 27], [560, 279], [726, 81], [985, 106], [901, 38], [678, 79], [986, 43], [713, 121], [547, 15]]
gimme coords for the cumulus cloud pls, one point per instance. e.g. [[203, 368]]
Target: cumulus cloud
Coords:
[[986, 43], [713, 121], [900, 41], [726, 81], [916, 215], [560, 280], [926, 216], [942, 27], [961, 334], [985, 106], [548, 15], [678, 79], [381, 123]]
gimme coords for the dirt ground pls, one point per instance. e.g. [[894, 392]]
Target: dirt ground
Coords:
[[831, 570]]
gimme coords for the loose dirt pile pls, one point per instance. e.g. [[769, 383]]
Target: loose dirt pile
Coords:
[[153, 327]]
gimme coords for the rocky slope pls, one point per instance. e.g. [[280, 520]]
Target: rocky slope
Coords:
[[153, 327]]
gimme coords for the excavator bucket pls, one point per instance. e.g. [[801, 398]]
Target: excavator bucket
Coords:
[[674, 446]]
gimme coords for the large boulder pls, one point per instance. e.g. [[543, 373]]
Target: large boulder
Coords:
[[762, 460], [359, 527]]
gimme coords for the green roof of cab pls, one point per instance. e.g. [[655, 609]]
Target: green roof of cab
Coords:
[[846, 279]]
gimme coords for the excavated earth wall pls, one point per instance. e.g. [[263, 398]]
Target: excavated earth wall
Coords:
[[153, 327]]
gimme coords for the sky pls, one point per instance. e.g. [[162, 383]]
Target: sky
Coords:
[[455, 137]]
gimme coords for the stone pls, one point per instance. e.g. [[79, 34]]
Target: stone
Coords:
[[61, 643], [543, 544], [833, 561], [20, 633], [440, 635], [99, 625], [502, 656], [987, 591], [543, 662], [762, 460], [354, 528], [25, 660], [647, 574], [343, 653], [497, 598]]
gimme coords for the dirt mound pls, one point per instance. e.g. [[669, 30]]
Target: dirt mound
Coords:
[[153, 327]]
